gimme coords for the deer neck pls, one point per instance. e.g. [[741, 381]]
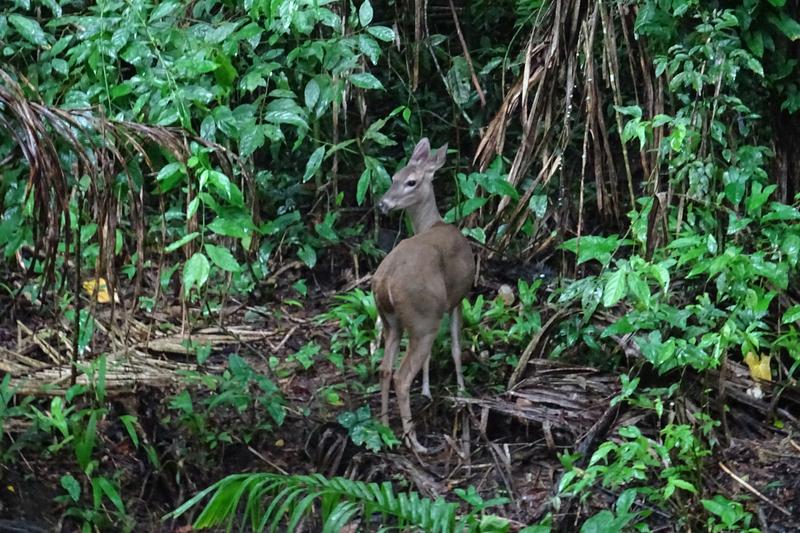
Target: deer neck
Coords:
[[424, 215]]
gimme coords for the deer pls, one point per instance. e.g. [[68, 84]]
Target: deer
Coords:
[[417, 283]]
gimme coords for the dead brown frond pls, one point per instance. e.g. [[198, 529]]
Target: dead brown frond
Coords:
[[83, 168], [570, 75]]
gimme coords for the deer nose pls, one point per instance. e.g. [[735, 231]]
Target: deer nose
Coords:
[[383, 206]]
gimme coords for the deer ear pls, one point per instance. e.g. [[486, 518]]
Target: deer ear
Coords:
[[436, 160], [421, 151]]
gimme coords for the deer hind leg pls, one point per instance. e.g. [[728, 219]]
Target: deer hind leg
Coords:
[[426, 378], [455, 337], [391, 334], [419, 350]]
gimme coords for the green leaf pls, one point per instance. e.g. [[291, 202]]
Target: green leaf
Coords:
[[71, 485], [231, 227], [60, 66], [615, 288], [110, 491], [632, 110], [602, 522], [363, 186], [286, 117], [365, 13], [311, 94], [223, 258], [29, 29], [195, 272], [365, 80], [791, 247], [251, 139], [681, 484], [786, 24], [220, 181], [594, 247], [314, 163], [791, 315], [382, 33], [778, 3], [308, 255], [180, 242], [476, 233], [369, 47]]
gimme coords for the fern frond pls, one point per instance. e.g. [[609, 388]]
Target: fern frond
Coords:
[[280, 502]]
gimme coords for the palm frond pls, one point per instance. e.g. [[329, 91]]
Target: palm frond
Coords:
[[281, 502]]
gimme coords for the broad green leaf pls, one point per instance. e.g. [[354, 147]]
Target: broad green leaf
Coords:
[[71, 485], [285, 117], [602, 522], [325, 229], [632, 110], [251, 139], [464, 209], [685, 485], [365, 80], [363, 186], [458, 81], [60, 66], [791, 315], [314, 163], [369, 47], [476, 233], [789, 26], [223, 258], [311, 94], [220, 181], [538, 204], [615, 288], [169, 170], [382, 33], [365, 13], [29, 29], [195, 272], [191, 209], [594, 247], [238, 227], [791, 247], [180, 242], [308, 255]]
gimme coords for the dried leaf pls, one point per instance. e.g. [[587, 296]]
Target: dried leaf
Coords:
[[759, 366], [97, 288]]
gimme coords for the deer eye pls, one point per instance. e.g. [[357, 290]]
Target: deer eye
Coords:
[[411, 183]]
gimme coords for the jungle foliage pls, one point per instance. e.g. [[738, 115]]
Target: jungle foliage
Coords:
[[646, 150]]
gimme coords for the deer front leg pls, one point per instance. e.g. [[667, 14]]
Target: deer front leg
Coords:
[[455, 338], [391, 346], [419, 350], [426, 380]]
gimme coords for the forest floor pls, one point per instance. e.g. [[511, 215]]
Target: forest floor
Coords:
[[511, 445]]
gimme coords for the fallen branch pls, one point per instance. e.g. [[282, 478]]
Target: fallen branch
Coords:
[[752, 489]]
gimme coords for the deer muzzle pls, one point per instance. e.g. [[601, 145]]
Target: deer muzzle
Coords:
[[384, 207]]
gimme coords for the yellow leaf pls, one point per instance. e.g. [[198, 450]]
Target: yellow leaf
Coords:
[[759, 366], [99, 285]]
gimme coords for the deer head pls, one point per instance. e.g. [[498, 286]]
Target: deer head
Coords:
[[412, 185]]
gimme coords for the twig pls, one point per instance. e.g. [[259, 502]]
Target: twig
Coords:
[[794, 444], [467, 57], [285, 338], [749, 487], [270, 463]]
